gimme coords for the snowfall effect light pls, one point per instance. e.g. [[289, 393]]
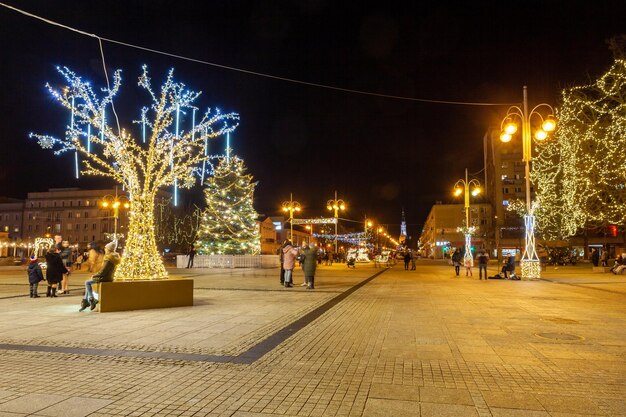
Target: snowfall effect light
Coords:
[[141, 169]]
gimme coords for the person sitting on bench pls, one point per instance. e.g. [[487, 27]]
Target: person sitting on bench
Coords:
[[105, 274]]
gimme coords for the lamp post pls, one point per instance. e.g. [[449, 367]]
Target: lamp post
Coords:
[[531, 266], [115, 202], [463, 186], [291, 206], [336, 205]]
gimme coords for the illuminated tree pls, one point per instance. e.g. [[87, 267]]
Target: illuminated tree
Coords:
[[229, 222], [162, 155], [580, 176]]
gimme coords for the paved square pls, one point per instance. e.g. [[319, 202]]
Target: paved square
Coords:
[[402, 343]]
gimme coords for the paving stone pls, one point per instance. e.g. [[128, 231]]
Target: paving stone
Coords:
[[564, 404], [445, 395], [447, 410], [394, 392], [509, 412], [515, 400], [30, 403], [74, 407], [378, 407]]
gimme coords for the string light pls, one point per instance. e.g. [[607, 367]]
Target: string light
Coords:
[[229, 224], [580, 176], [141, 169]]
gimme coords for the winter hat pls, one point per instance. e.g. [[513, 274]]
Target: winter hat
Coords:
[[110, 247], [33, 258]]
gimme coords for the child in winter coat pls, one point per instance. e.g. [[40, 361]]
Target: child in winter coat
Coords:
[[35, 275]]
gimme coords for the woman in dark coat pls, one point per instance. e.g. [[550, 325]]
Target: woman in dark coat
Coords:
[[54, 270], [309, 265]]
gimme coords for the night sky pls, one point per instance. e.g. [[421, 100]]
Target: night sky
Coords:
[[380, 154]]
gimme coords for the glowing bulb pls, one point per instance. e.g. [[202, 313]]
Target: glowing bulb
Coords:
[[505, 137], [549, 124], [329, 207], [510, 128], [475, 191], [541, 135], [458, 192], [342, 207], [105, 204]]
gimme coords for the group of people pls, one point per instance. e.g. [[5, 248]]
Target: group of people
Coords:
[[482, 259], [58, 269], [308, 254]]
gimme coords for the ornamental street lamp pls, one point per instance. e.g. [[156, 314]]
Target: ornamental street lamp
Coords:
[[336, 205], [531, 266], [463, 186], [291, 206], [115, 202]]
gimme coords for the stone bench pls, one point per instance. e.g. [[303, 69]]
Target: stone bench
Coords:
[[144, 294]]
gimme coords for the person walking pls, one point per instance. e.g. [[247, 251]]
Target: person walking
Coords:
[[595, 257], [483, 260], [456, 261], [66, 256], [413, 256], [468, 263], [282, 258], [92, 258], [54, 270], [289, 262], [309, 265], [604, 258], [35, 276], [190, 255], [105, 274], [407, 259]]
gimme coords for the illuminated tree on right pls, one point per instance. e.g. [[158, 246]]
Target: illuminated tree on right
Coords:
[[580, 176]]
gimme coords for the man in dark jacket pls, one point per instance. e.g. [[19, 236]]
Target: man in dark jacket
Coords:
[[310, 264], [105, 274], [35, 275], [54, 269]]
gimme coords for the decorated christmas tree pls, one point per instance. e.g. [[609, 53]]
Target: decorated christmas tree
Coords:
[[229, 222]]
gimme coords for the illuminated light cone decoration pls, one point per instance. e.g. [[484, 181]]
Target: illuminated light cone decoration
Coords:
[[229, 223], [163, 155]]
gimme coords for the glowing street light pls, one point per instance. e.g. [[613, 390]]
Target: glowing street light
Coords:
[[463, 186], [291, 206], [336, 205], [115, 202], [531, 266]]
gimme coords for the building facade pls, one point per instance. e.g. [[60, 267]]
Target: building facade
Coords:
[[11, 217], [440, 235], [77, 215]]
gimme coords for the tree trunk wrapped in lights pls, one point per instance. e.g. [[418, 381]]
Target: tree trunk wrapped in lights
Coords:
[[162, 155], [580, 176], [229, 224]]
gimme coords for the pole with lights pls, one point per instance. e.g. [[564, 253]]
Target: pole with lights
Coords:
[[291, 206], [115, 202], [463, 186], [531, 266], [336, 205]]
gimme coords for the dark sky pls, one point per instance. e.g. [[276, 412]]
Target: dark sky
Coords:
[[380, 154]]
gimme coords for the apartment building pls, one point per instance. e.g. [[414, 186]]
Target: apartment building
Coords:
[[77, 215], [440, 234]]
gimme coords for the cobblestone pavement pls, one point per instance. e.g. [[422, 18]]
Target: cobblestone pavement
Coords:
[[406, 343]]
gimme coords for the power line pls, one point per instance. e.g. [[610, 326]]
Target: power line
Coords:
[[250, 72]]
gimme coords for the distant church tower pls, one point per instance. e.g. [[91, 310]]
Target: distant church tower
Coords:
[[403, 233]]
